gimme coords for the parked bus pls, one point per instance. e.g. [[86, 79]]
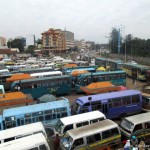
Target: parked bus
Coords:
[[93, 136], [76, 121], [115, 77], [19, 76], [32, 142], [137, 125], [46, 74], [14, 98], [4, 73], [1, 123], [113, 105], [135, 71], [47, 113], [22, 131], [37, 87], [100, 62], [113, 65], [29, 71], [68, 70]]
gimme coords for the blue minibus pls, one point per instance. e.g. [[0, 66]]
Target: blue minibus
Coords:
[[113, 105], [47, 113]]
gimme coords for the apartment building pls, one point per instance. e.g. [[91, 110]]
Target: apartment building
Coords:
[[2, 41], [53, 40]]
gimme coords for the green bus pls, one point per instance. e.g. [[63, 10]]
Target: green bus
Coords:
[[115, 77], [37, 87]]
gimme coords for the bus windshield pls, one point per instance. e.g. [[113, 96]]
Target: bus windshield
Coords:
[[128, 126], [59, 126], [66, 141]]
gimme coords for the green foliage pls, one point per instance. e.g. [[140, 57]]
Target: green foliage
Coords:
[[30, 49], [134, 46], [16, 43]]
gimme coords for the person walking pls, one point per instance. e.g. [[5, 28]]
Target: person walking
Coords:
[[134, 141], [56, 142]]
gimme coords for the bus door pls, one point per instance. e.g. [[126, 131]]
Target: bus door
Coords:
[[105, 108]]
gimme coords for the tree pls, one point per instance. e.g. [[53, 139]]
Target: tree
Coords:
[[114, 40], [16, 43], [30, 49]]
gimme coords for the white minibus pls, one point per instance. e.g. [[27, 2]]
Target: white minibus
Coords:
[[137, 125], [21, 131], [32, 142], [93, 136], [75, 121]]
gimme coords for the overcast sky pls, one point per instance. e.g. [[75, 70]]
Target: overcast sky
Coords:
[[87, 19]]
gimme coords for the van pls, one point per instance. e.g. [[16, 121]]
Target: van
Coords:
[[93, 136], [137, 125], [71, 122]]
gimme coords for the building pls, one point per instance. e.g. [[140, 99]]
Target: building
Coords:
[[30, 40], [53, 40], [2, 41], [90, 45], [80, 44], [69, 39]]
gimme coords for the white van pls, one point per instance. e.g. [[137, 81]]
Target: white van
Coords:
[[32, 142], [137, 125], [92, 137], [21, 131], [75, 121]]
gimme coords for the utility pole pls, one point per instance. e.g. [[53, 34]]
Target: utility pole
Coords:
[[119, 41]]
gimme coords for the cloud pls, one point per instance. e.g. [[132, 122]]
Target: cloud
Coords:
[[88, 19]]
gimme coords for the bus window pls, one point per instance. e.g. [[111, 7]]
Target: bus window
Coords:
[[96, 106], [68, 127], [77, 143], [106, 134], [147, 125], [96, 120], [114, 132], [135, 99], [84, 109], [137, 127], [126, 100], [42, 147], [82, 124], [116, 102], [93, 138]]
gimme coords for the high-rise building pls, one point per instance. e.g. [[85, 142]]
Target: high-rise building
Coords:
[[69, 38], [30, 40], [2, 41], [53, 40]]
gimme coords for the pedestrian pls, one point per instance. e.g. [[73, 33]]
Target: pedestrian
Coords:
[[142, 145], [133, 80], [127, 145], [134, 141], [56, 142]]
